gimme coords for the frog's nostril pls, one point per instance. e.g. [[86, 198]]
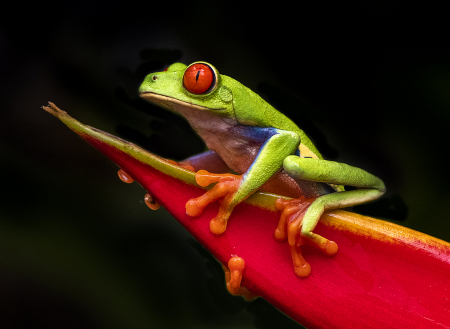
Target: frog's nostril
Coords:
[[155, 77]]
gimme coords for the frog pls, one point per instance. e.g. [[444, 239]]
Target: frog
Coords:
[[252, 146]]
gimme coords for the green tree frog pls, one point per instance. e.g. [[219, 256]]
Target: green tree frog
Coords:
[[264, 149]]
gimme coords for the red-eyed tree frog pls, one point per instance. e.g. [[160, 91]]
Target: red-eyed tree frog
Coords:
[[264, 148]]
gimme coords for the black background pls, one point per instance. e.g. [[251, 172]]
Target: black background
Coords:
[[368, 81]]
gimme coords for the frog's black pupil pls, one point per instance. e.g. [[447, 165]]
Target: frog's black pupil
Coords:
[[198, 74]]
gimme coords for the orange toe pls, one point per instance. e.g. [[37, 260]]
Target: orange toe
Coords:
[[330, 248], [218, 225], [124, 177], [290, 226]]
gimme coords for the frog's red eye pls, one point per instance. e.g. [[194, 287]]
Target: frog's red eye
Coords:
[[199, 78]]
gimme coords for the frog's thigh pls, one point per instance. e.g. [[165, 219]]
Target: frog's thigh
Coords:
[[331, 172]]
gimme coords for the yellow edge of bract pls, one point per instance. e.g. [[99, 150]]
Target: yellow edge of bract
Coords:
[[384, 231]]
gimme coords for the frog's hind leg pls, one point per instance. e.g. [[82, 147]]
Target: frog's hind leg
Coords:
[[291, 218], [331, 201], [330, 172]]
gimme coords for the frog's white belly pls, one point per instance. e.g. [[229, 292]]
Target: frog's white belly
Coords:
[[234, 142]]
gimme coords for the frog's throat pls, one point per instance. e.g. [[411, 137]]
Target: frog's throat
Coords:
[[170, 102]]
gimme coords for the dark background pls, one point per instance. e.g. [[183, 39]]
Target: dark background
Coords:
[[368, 81]]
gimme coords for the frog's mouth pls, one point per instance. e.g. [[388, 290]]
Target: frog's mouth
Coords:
[[172, 103]]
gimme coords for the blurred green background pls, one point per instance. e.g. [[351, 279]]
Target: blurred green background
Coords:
[[368, 81]]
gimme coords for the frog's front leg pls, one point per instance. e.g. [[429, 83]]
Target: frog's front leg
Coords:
[[317, 170], [235, 188], [226, 187]]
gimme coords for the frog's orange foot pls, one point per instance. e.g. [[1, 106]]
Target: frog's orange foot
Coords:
[[233, 277], [227, 185], [236, 266], [290, 226], [291, 210]]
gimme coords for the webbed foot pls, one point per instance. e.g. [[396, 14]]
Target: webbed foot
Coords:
[[226, 187], [290, 227]]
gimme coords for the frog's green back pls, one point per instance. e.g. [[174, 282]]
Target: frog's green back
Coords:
[[251, 109]]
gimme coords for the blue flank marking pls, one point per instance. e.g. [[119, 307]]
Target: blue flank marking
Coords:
[[258, 134], [297, 151]]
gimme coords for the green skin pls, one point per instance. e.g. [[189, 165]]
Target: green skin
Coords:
[[252, 138]]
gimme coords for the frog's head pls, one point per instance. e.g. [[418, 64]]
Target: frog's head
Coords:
[[198, 86]]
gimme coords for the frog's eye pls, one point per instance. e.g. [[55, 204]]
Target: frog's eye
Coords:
[[199, 78]]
